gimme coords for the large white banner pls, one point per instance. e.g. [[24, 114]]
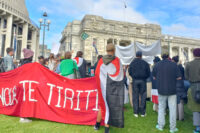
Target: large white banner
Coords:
[[126, 54], [149, 50]]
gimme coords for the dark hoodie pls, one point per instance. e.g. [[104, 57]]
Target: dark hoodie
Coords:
[[107, 59]]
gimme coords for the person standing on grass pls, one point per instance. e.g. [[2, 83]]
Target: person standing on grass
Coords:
[[166, 73], [28, 58], [139, 70], [110, 81], [154, 91], [81, 63], [8, 60], [192, 73], [180, 91]]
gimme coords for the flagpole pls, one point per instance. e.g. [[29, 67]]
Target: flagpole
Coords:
[[14, 43]]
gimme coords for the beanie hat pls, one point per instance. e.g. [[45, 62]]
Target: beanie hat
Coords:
[[28, 53], [139, 54], [196, 52], [176, 59], [156, 59]]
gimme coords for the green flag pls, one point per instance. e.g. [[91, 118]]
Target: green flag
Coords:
[[84, 36]]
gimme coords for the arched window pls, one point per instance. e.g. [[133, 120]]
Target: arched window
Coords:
[[124, 42]]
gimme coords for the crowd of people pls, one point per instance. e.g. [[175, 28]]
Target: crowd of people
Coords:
[[170, 79]]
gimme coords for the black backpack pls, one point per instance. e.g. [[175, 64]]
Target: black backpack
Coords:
[[2, 65]]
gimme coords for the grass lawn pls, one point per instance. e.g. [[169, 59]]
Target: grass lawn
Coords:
[[132, 125]]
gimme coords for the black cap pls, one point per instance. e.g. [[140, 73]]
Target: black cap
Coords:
[[41, 57], [139, 54], [176, 59]]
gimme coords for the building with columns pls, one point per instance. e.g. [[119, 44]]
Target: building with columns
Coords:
[[15, 24], [103, 31]]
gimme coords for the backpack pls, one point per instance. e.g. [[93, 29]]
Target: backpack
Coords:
[[2, 65]]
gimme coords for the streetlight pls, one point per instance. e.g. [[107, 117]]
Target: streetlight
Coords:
[[43, 23], [169, 39]]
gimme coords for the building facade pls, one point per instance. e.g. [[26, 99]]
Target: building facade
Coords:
[[16, 28], [103, 31], [47, 51]]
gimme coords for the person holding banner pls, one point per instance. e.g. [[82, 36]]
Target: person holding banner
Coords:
[[28, 57], [68, 67], [82, 64], [110, 80]]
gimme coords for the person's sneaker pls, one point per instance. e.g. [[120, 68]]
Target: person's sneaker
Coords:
[[136, 115], [107, 130], [144, 115], [24, 120], [173, 131], [97, 126], [157, 127]]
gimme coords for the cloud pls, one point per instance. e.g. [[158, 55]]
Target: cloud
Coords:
[[180, 17], [192, 21], [181, 30], [110, 9]]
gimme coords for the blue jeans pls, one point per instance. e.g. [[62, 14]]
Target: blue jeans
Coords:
[[172, 103]]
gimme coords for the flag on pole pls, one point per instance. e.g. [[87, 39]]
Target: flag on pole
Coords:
[[15, 43], [84, 36], [15, 40], [125, 5], [185, 53], [95, 46]]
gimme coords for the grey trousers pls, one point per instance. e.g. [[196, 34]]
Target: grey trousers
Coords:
[[172, 103], [196, 118], [180, 111]]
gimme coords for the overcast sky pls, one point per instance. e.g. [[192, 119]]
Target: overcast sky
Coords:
[[176, 17]]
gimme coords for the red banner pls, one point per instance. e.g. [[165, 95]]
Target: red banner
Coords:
[[34, 91]]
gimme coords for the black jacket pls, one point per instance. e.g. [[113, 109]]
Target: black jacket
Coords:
[[139, 69], [166, 74], [25, 61]]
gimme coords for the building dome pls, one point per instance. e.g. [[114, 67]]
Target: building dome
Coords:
[[15, 7]]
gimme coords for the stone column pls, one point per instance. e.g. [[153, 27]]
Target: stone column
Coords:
[[9, 31], [189, 54], [180, 54], [118, 42], [170, 51], [24, 37], [1, 34], [34, 43], [37, 46]]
